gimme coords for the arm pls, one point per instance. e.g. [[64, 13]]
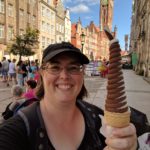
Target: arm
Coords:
[[13, 135]]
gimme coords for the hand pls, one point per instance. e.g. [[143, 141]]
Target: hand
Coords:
[[121, 138]]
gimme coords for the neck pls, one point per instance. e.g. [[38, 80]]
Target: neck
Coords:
[[59, 112]]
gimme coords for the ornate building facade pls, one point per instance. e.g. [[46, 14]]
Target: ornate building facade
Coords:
[[140, 36], [48, 16], [15, 17], [96, 44]]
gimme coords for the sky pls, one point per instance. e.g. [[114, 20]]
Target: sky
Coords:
[[88, 10]]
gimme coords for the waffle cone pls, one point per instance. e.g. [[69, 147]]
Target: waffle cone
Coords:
[[117, 120]]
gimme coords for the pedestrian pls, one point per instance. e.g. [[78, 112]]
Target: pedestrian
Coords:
[[30, 89], [5, 68], [25, 71], [17, 99], [12, 71], [61, 120], [20, 72], [32, 70]]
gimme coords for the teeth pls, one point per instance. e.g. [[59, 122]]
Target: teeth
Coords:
[[64, 87]]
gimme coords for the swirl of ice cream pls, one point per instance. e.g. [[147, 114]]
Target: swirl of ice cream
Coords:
[[116, 98]]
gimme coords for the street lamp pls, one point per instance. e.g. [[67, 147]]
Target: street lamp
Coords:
[[82, 37]]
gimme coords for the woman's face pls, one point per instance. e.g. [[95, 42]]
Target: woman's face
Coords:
[[63, 78]]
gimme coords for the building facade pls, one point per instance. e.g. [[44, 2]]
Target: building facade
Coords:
[[140, 36], [60, 22], [15, 17], [67, 26], [48, 16], [46, 22], [96, 45]]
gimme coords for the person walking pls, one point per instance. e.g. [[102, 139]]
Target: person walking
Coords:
[[5, 68], [20, 72], [12, 71], [17, 99], [61, 119]]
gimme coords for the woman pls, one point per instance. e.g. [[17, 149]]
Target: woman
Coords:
[[17, 93], [66, 121], [19, 71], [30, 89]]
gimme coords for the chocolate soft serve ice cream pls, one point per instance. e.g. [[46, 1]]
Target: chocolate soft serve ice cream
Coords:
[[117, 113]]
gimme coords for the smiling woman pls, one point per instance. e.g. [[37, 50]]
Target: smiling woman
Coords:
[[61, 120]]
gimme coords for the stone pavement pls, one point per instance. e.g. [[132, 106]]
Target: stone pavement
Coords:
[[137, 90], [147, 79]]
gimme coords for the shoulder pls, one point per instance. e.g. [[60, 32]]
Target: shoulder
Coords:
[[12, 124], [90, 107], [13, 132]]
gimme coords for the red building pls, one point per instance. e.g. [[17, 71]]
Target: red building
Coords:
[[96, 44]]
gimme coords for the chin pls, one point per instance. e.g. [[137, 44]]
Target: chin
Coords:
[[66, 99]]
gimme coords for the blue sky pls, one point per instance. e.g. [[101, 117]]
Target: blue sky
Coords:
[[88, 10]]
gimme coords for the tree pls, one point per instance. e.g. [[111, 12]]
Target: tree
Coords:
[[23, 44]]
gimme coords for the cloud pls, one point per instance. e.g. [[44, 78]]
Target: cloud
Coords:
[[81, 8], [66, 1], [88, 17], [87, 2]]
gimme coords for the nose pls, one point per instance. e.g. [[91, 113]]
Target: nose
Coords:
[[64, 73]]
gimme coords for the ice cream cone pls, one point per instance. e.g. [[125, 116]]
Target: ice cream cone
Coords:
[[117, 113]]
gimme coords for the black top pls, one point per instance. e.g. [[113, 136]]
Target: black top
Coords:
[[13, 133]]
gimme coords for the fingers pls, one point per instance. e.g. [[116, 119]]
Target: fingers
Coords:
[[126, 131], [122, 139], [121, 143], [109, 148]]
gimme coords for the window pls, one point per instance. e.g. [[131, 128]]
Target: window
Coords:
[[21, 31], [48, 2], [52, 29], [10, 10], [52, 41], [52, 16], [10, 33], [34, 20], [48, 28], [48, 41], [1, 31], [43, 26], [43, 42], [29, 17], [62, 29], [21, 13], [48, 14], [57, 27], [1, 6], [43, 11]]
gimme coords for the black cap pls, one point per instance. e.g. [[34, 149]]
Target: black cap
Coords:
[[55, 49]]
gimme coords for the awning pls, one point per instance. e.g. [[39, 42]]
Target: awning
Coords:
[[134, 58]]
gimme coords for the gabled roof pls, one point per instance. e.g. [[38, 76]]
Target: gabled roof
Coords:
[[92, 27]]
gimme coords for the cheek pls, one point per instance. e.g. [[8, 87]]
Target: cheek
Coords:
[[80, 80], [47, 79]]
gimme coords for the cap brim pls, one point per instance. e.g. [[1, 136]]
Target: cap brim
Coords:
[[83, 58]]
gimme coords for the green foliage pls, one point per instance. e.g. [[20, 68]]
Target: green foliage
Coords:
[[23, 44]]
